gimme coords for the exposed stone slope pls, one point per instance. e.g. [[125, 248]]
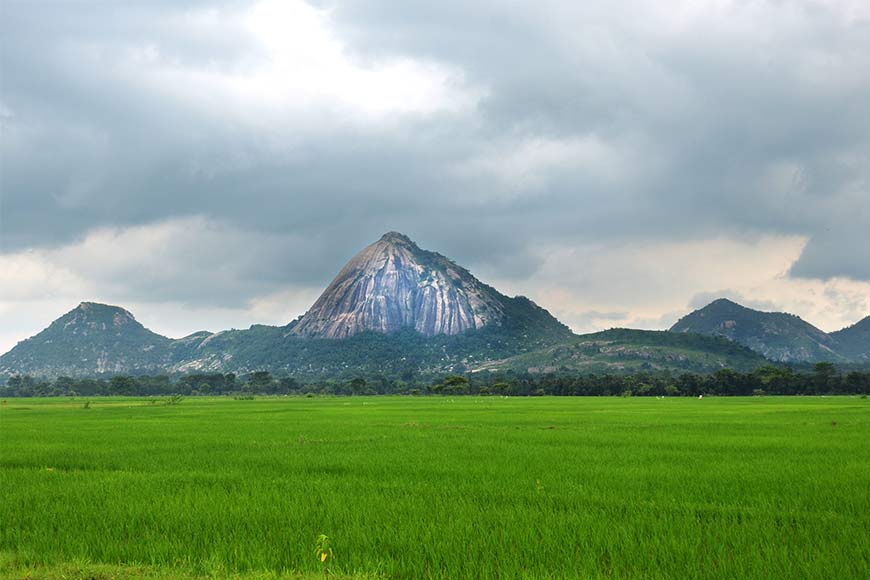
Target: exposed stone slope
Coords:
[[393, 284]]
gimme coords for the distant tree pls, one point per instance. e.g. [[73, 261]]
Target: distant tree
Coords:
[[122, 385], [824, 374], [644, 389], [456, 385], [357, 385], [289, 385], [500, 388]]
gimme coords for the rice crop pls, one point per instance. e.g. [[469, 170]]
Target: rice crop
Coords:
[[436, 487]]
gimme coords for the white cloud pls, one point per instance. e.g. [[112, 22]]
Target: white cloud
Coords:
[[298, 75], [650, 285], [530, 164], [176, 276]]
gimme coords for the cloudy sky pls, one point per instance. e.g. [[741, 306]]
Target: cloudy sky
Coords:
[[213, 164]]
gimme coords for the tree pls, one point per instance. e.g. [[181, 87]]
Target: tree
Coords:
[[824, 374], [500, 388], [122, 385], [289, 385], [357, 385], [261, 382], [456, 385]]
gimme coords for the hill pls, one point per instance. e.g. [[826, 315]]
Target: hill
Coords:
[[91, 339], [394, 308], [398, 310], [778, 336], [854, 341], [622, 351], [394, 284]]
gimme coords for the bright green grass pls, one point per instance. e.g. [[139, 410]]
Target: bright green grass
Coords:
[[437, 487]]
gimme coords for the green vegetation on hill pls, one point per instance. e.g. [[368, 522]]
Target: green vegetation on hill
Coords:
[[823, 379], [778, 336], [98, 340], [437, 487], [854, 341], [527, 339], [623, 351], [91, 339], [402, 353]]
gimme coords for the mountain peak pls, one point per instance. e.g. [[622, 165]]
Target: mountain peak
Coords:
[[97, 307], [854, 340], [725, 304], [394, 284], [778, 336], [90, 338], [94, 314], [397, 238]]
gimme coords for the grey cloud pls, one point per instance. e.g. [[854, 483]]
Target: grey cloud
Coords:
[[722, 105], [739, 126], [834, 253]]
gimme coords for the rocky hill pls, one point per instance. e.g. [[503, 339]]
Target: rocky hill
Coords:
[[778, 336], [621, 350], [854, 341], [91, 339], [393, 308], [394, 284]]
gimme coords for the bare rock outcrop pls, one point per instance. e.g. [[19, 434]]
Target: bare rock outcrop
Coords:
[[393, 284]]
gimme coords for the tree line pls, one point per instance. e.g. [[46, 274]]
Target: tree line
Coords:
[[822, 379]]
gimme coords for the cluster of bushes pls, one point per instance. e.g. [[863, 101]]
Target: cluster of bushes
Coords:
[[823, 379]]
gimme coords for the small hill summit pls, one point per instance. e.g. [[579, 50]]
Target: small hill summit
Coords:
[[778, 336], [91, 338], [93, 318], [854, 341]]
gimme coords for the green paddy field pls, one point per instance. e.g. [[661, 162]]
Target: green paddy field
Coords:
[[434, 487]]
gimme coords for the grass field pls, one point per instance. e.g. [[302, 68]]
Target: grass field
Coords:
[[436, 487]]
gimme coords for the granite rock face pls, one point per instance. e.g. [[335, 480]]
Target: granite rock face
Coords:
[[393, 284]]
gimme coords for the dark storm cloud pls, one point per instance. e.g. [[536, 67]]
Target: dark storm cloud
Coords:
[[757, 119], [593, 123], [835, 253]]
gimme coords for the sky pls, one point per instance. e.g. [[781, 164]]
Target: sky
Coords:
[[209, 165]]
